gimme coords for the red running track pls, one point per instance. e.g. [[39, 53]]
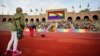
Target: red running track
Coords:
[[55, 44]]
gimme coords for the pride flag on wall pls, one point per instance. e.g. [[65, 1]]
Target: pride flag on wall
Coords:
[[56, 15]]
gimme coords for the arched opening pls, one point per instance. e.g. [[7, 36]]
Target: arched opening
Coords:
[[43, 19], [86, 18], [32, 20], [4, 20], [69, 19], [95, 17], [26, 20], [78, 18], [9, 20], [37, 20]]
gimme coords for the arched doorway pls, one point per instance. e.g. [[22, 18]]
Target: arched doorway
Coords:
[[43, 20], [32, 20], [95, 17], [86, 18], [69, 19], [37, 20], [9, 20], [26, 20], [4, 20], [78, 18]]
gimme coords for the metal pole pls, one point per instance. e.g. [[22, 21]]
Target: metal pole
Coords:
[[99, 13], [2, 9]]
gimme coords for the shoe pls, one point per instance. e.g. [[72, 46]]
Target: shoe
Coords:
[[16, 53], [7, 51]]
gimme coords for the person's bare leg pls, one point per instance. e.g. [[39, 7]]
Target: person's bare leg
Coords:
[[15, 45], [15, 41], [10, 43]]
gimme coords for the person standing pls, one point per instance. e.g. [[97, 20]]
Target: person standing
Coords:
[[19, 23], [32, 28]]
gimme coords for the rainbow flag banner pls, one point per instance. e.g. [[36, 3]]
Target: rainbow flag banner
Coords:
[[80, 30], [65, 30], [58, 30], [41, 30], [55, 15]]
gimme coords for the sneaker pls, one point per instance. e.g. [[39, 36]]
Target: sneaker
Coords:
[[16, 53], [7, 51]]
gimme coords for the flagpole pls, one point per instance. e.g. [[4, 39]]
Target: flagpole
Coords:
[[2, 9], [80, 10], [36, 11], [3, 6], [73, 8], [88, 6], [80, 7], [41, 11], [88, 9], [31, 11], [99, 11]]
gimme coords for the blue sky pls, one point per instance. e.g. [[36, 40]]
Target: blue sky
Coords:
[[47, 4]]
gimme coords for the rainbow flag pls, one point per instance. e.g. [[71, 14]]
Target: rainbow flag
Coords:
[[56, 15], [80, 30]]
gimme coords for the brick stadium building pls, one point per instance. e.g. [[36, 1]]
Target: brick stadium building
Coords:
[[67, 15]]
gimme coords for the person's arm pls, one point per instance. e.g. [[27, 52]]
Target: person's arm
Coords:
[[22, 21], [49, 26]]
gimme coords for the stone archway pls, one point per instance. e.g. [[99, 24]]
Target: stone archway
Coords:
[[95, 17], [10, 19], [86, 18], [78, 18], [26, 20], [69, 19], [37, 20], [4, 20], [43, 20], [32, 20]]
